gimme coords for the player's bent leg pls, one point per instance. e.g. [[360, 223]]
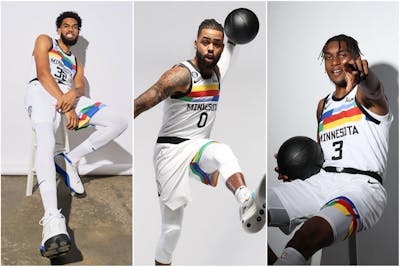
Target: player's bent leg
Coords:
[[171, 226], [109, 125], [336, 221], [217, 157]]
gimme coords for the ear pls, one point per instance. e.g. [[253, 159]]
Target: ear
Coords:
[[195, 44]]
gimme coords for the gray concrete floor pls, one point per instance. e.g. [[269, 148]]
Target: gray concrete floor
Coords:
[[100, 224]]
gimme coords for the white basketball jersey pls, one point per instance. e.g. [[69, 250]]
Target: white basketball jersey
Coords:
[[191, 115], [352, 136], [63, 67]]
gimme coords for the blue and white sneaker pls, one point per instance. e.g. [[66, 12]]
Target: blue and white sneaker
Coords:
[[69, 171], [252, 212], [55, 238]]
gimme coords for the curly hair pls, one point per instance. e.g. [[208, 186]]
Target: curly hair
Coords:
[[68, 14], [210, 24], [351, 45]]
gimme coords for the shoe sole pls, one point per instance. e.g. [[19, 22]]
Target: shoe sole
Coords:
[[56, 246]]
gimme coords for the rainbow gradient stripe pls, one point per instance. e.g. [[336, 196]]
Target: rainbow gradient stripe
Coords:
[[86, 113], [204, 177], [66, 61], [347, 207], [203, 93], [340, 116]]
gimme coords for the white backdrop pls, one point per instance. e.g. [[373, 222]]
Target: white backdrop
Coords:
[[212, 233], [104, 47], [297, 80]]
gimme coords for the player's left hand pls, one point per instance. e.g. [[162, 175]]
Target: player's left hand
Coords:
[[356, 70]]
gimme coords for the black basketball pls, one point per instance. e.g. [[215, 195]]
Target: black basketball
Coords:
[[300, 157], [241, 26]]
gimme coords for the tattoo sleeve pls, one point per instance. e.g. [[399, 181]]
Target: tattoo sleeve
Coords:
[[174, 80]]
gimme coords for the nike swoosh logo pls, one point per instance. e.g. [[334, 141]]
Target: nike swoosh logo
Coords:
[[370, 182]]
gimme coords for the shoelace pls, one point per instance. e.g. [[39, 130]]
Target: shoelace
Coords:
[[51, 216]]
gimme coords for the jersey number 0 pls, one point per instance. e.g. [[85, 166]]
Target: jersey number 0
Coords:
[[202, 120]]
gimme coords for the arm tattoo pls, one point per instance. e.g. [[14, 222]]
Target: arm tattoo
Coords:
[[167, 85]]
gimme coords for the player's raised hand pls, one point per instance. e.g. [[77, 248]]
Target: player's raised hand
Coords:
[[356, 70], [281, 176]]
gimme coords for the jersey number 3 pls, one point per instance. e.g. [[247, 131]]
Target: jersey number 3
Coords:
[[338, 145]]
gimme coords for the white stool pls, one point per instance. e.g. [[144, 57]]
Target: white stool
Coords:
[[352, 242], [64, 143]]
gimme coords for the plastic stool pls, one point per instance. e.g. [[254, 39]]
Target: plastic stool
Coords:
[[32, 171], [352, 241]]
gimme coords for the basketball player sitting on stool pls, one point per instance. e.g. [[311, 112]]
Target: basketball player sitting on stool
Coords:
[[56, 88], [347, 195], [183, 147]]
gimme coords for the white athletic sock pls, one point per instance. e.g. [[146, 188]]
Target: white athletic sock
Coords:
[[242, 194], [290, 256], [81, 150]]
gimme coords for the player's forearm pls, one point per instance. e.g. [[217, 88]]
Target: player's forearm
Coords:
[[145, 101], [371, 86], [49, 84], [226, 57]]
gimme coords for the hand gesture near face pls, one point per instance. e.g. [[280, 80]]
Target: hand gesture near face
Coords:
[[356, 70]]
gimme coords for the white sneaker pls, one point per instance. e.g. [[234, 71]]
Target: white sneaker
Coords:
[[55, 238], [65, 168], [252, 212]]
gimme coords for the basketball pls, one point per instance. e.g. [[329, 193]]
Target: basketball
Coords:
[[241, 26], [300, 157]]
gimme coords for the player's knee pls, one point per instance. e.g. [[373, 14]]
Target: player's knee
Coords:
[[120, 123], [313, 235], [342, 216]]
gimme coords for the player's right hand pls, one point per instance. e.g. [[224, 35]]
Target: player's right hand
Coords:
[[66, 102], [281, 176], [72, 119]]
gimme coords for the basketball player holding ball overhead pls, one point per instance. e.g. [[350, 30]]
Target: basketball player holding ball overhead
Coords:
[[184, 149], [347, 195]]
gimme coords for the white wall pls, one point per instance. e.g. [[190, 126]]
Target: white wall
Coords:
[[212, 234], [297, 80], [107, 34]]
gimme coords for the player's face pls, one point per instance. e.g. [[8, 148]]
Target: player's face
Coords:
[[69, 31], [336, 55], [209, 46]]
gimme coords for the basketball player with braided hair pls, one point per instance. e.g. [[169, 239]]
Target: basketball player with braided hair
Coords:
[[55, 89], [347, 195], [184, 149]]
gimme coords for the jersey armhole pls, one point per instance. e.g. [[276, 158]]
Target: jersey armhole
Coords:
[[366, 113], [179, 95], [323, 106]]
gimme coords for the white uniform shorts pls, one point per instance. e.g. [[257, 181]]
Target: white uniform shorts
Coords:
[[41, 105], [303, 199], [175, 164]]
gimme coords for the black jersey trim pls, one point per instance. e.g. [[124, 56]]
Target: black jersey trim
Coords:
[[341, 98], [365, 112], [323, 106]]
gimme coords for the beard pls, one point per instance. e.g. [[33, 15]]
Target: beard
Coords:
[[68, 42], [203, 64]]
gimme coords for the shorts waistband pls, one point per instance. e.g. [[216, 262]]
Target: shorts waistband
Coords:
[[36, 79], [170, 140], [354, 171]]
